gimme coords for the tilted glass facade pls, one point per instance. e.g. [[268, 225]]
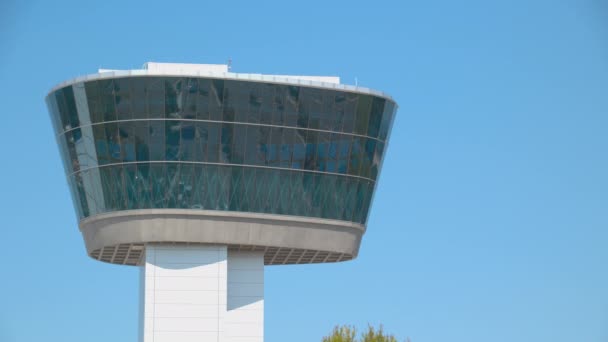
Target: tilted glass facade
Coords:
[[201, 143]]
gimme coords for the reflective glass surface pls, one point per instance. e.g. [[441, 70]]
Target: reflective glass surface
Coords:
[[175, 142]]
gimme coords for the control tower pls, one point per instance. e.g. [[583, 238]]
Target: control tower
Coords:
[[200, 176]]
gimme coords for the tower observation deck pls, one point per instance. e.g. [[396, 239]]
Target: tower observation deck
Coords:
[[201, 176]]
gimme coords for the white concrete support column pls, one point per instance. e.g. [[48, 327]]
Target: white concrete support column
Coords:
[[201, 293]]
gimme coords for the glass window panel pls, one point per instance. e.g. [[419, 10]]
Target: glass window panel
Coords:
[[267, 108], [113, 141], [377, 160], [317, 195], [322, 153], [327, 114], [367, 159], [122, 98], [226, 143], [201, 136], [94, 101], [274, 147], [286, 147], [92, 183], [331, 166], [256, 99], [106, 95], [356, 153], [387, 118], [81, 197], [224, 176], [144, 191], [138, 101], [235, 188], [198, 188], [213, 143], [230, 97], [349, 107], [248, 189], [364, 107], [132, 197], [73, 164], [158, 181], [101, 144], [189, 140], [375, 117], [292, 95], [127, 140], [339, 111], [238, 148], [255, 146], [156, 142], [172, 185], [304, 106], [185, 189], [68, 93], [174, 100], [156, 97], [214, 187], [141, 132], [256, 189], [118, 187], [334, 146], [305, 188], [282, 183], [367, 203], [311, 149], [272, 184], [278, 116], [203, 99], [327, 187], [360, 196], [106, 185], [190, 98], [81, 140], [216, 99], [299, 149], [62, 106], [236, 100], [172, 139], [82, 107], [315, 108], [344, 153], [350, 198]]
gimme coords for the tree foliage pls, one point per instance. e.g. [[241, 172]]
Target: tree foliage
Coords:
[[347, 333], [343, 333]]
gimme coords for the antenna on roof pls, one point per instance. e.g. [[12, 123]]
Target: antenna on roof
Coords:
[[229, 63]]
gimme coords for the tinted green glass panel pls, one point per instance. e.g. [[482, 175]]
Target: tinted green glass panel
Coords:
[[364, 107], [154, 125], [138, 100], [106, 96], [122, 98], [156, 97], [94, 101], [70, 103], [375, 117]]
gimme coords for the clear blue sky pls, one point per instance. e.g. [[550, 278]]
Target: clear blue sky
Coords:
[[490, 222]]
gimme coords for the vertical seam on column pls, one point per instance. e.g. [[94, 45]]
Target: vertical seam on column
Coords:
[[219, 268], [154, 300]]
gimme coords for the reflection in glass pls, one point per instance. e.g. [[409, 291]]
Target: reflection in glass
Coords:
[[157, 142]]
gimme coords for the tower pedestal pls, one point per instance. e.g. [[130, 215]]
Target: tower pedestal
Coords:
[[201, 293]]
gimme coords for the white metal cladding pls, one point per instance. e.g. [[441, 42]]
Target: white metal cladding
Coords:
[[200, 293]]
